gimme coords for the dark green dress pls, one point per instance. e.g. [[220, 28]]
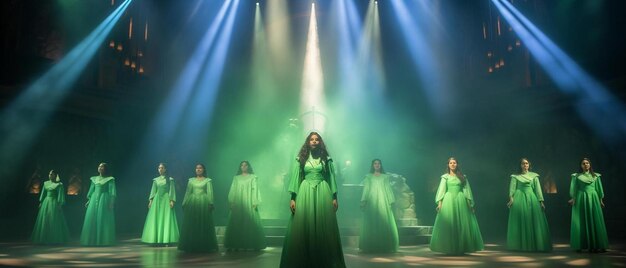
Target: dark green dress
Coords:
[[528, 227], [99, 225], [161, 226], [244, 229], [456, 228], [51, 226], [379, 232], [588, 230], [197, 233], [312, 238]]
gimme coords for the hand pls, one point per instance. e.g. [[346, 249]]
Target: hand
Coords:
[[335, 204], [171, 203], [438, 208], [602, 203], [292, 206], [40, 205], [111, 206], [254, 207], [87, 204], [510, 203], [543, 206], [363, 203], [571, 202], [150, 203], [211, 207]]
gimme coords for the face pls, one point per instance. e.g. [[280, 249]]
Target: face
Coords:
[[102, 168], [525, 165], [314, 141], [52, 176], [199, 170], [376, 165], [244, 167], [162, 169], [452, 164], [585, 165]]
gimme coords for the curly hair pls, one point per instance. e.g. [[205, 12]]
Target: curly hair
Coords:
[[250, 170]]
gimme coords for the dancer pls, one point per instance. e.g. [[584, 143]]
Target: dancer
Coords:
[[198, 230], [244, 229], [379, 233], [456, 229], [588, 231], [99, 225], [161, 226], [528, 227], [51, 226], [312, 238]]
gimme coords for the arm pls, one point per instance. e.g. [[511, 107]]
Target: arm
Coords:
[[441, 192], [467, 191], [187, 193], [112, 193], [512, 188], [172, 193], [61, 195], [256, 194], [294, 184], [231, 195], [333, 183], [89, 193], [600, 190], [209, 191], [573, 190], [42, 193], [391, 198], [539, 192], [153, 191], [366, 191]]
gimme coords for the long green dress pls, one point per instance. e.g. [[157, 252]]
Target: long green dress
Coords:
[[51, 226], [528, 227], [244, 229], [99, 225], [456, 229], [312, 238], [198, 230], [588, 230], [161, 226], [379, 232]]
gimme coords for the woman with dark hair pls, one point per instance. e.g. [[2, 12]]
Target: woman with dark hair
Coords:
[[99, 225], [51, 226], [244, 229], [198, 230], [379, 233], [312, 238], [161, 226], [528, 227], [588, 231], [456, 229]]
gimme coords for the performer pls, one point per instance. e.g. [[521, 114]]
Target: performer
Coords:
[[51, 226], [244, 229], [312, 238], [456, 229], [161, 226], [588, 231], [198, 231], [99, 225], [528, 227], [379, 233]]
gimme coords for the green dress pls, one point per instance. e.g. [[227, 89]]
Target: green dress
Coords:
[[51, 226], [588, 230], [456, 229], [379, 232], [528, 227], [244, 229], [312, 238], [161, 226], [197, 233], [99, 225]]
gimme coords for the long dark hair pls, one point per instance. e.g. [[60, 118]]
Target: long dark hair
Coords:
[[458, 172], [590, 167], [321, 151], [382, 170], [520, 166], [250, 170], [203, 169]]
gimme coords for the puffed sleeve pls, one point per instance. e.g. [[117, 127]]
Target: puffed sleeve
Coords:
[[573, 189], [441, 191], [153, 190], [231, 194], [366, 188], [467, 191], [61, 194], [256, 194], [112, 191], [91, 189], [332, 177], [43, 191], [294, 182], [391, 198], [209, 191], [537, 186], [187, 192], [172, 192], [512, 186], [599, 188]]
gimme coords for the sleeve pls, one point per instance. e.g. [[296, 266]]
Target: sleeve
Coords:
[[294, 182], [332, 180], [538, 191], [599, 188], [441, 191], [91, 189], [209, 191], [112, 191], [391, 198], [43, 191], [256, 193], [366, 189], [153, 190], [187, 193], [573, 187], [61, 194], [512, 186], [172, 192], [231, 195], [467, 191]]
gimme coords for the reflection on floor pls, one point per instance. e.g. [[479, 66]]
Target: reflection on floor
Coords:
[[131, 253]]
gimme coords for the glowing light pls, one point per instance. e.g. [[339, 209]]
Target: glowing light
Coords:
[[130, 29], [312, 104]]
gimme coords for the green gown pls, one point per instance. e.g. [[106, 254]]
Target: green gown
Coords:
[[588, 230], [456, 229], [99, 225], [161, 226], [244, 229], [51, 226], [197, 233], [379, 232], [528, 227], [312, 238]]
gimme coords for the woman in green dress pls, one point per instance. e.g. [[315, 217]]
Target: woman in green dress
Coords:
[[312, 238], [588, 231], [99, 225], [379, 233], [51, 226], [161, 226], [528, 227], [197, 233], [244, 229], [456, 229]]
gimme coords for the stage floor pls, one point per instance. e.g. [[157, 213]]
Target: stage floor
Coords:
[[131, 253]]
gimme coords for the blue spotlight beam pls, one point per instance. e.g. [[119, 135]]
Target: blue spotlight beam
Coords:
[[21, 123], [594, 103]]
